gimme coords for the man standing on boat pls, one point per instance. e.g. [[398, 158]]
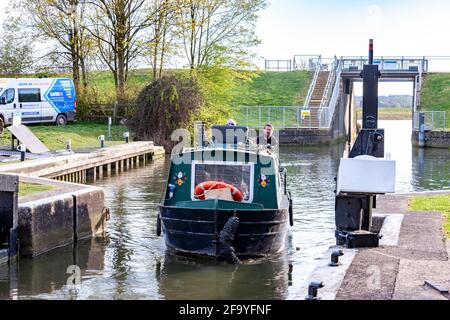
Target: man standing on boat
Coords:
[[267, 139]]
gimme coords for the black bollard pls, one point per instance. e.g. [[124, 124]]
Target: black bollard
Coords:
[[335, 258], [126, 135], [102, 141], [313, 290], [22, 148]]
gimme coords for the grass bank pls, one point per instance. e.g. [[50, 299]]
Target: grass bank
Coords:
[[391, 113], [434, 203], [26, 188], [436, 94], [273, 89], [82, 135]]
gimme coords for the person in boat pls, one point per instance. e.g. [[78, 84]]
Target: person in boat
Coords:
[[267, 139], [231, 123]]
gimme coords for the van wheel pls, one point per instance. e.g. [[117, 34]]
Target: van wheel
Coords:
[[61, 120], [2, 125]]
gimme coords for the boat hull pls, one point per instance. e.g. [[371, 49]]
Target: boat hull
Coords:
[[195, 231]]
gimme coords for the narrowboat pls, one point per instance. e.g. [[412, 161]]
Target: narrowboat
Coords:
[[226, 200]]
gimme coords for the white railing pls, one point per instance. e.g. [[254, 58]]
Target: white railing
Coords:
[[434, 120], [328, 110], [282, 117], [416, 64], [318, 68]]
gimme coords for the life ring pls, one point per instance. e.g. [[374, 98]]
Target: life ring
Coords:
[[201, 190]]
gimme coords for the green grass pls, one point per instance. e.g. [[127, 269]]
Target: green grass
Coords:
[[273, 89], [436, 94], [82, 134], [391, 113], [26, 189], [435, 203]]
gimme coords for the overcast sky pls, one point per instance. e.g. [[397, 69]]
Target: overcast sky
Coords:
[[332, 27]]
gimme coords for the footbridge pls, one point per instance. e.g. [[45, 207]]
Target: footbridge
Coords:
[[327, 112]]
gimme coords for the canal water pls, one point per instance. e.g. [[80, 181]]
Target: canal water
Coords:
[[132, 263]]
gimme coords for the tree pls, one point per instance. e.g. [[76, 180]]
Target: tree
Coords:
[[16, 50], [161, 32], [117, 26], [210, 29], [62, 21], [167, 104]]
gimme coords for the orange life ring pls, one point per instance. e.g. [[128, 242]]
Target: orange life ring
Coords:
[[201, 189]]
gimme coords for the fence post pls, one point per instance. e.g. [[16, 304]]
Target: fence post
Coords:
[[432, 120], [259, 117], [247, 114], [115, 112]]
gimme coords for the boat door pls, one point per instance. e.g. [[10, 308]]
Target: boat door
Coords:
[[30, 104], [8, 104]]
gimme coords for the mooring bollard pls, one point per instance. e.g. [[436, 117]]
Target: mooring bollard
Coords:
[[313, 289], [109, 128], [102, 141], [22, 148], [69, 145], [126, 135], [335, 258]]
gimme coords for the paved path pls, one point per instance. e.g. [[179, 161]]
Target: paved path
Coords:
[[399, 272]]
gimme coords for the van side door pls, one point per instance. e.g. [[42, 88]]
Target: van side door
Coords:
[[30, 104], [8, 104]]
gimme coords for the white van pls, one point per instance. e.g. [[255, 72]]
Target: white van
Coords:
[[38, 100]]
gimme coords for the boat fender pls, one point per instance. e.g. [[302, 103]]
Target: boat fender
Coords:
[[158, 226], [291, 211], [226, 237]]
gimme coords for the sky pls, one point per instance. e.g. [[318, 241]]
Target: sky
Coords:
[[343, 28]]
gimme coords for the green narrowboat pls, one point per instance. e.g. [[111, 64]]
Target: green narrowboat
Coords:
[[226, 200]]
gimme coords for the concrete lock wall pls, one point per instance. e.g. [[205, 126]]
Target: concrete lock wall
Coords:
[[433, 139], [60, 220]]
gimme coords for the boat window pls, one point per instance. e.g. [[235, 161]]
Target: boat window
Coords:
[[238, 176]]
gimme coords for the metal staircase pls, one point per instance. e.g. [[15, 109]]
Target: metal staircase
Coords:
[[321, 95]]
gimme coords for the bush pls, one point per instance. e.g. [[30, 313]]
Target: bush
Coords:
[[165, 105]]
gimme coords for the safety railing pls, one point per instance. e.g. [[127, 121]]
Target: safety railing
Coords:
[[414, 64], [281, 117], [434, 120], [318, 68], [330, 84], [327, 110], [305, 62], [278, 65]]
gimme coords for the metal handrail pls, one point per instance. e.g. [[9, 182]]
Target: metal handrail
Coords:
[[313, 82], [331, 107], [330, 83], [400, 62], [433, 120]]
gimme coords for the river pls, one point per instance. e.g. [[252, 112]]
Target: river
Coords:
[[132, 263]]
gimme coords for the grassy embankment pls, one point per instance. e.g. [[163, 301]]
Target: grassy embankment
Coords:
[[270, 89], [265, 89], [391, 113], [434, 203], [436, 94], [26, 189], [82, 135]]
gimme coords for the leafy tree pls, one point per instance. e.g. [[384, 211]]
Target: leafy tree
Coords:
[[16, 50], [211, 29]]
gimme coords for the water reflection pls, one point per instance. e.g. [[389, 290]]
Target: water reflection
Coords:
[[185, 278], [49, 272], [132, 262]]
